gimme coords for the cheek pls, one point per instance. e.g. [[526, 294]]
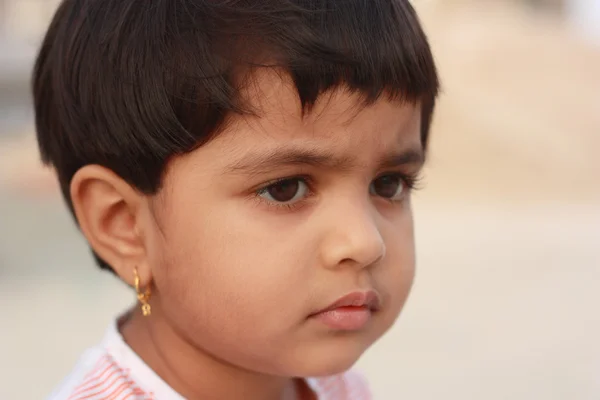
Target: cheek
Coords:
[[226, 272], [397, 273]]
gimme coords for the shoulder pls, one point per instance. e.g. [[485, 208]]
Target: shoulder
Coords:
[[97, 376], [78, 374], [350, 385]]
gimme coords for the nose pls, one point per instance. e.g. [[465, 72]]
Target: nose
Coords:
[[353, 238]]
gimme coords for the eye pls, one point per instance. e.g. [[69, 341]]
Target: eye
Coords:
[[390, 187], [288, 191]]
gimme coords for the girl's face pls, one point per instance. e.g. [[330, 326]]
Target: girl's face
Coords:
[[279, 217]]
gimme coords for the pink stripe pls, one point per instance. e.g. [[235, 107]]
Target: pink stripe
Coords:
[[93, 375], [107, 381], [119, 389], [96, 367], [102, 391], [85, 386], [100, 383], [128, 395]]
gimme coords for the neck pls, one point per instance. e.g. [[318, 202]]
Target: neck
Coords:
[[194, 373]]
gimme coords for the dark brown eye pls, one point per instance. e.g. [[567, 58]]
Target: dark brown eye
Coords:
[[389, 187], [285, 191]]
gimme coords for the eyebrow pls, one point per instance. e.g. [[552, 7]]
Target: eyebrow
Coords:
[[267, 161]]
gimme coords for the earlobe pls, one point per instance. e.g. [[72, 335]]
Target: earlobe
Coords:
[[108, 212]]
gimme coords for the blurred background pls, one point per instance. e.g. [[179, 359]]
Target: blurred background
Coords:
[[507, 299]]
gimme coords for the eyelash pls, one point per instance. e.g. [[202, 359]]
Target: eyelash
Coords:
[[411, 182], [286, 206]]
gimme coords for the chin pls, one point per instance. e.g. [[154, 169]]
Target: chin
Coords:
[[331, 367], [333, 357]]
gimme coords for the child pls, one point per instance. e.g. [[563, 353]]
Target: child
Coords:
[[246, 166]]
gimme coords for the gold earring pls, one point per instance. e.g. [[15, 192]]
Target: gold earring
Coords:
[[143, 297]]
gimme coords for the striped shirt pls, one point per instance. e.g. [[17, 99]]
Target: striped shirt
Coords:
[[113, 371]]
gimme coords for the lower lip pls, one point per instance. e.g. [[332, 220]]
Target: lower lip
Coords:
[[345, 318]]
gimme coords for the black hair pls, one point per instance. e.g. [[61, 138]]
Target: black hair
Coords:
[[128, 84]]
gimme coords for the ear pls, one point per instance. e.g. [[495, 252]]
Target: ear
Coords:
[[109, 212]]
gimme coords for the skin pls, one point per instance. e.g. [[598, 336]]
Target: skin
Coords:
[[235, 273]]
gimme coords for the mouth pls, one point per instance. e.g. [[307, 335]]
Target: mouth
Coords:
[[351, 312]]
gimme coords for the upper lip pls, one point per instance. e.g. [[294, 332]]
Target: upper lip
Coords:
[[368, 298]]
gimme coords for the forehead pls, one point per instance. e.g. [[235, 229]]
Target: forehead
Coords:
[[339, 118], [339, 129]]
